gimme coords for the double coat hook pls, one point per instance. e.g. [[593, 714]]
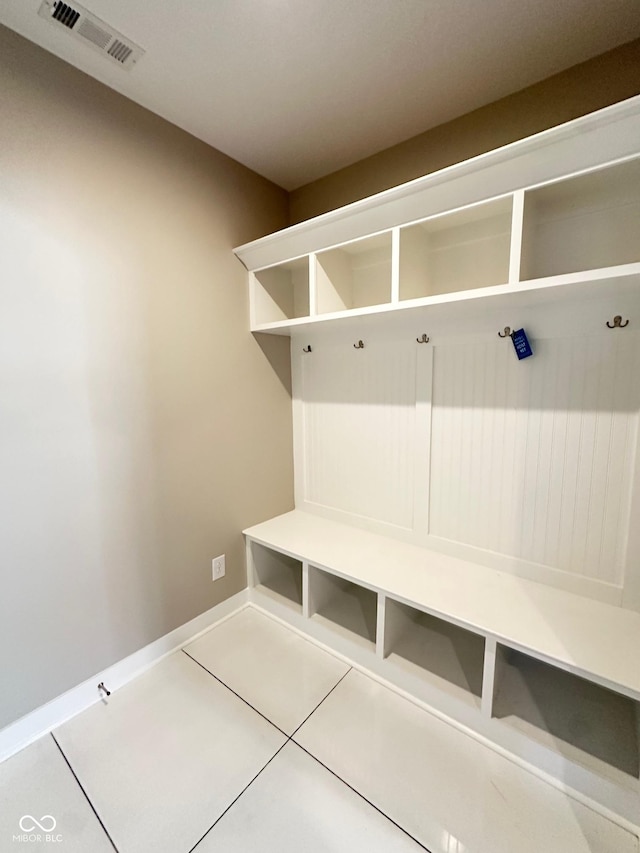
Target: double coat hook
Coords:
[[617, 323], [359, 345]]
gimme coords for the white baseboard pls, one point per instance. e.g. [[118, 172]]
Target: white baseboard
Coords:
[[44, 719]]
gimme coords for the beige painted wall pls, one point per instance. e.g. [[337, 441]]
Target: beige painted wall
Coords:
[[141, 425], [582, 89]]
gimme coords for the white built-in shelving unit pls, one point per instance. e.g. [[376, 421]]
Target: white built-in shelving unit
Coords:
[[537, 671], [579, 213], [466, 524]]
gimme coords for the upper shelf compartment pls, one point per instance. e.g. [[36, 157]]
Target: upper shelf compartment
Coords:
[[463, 250], [440, 249], [356, 275], [588, 222], [281, 293]]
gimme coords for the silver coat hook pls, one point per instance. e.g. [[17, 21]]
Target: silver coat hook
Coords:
[[103, 688], [423, 340], [307, 348], [506, 334], [359, 345], [617, 323]]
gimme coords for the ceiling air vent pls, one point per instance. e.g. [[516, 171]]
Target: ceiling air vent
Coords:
[[120, 51], [86, 27], [65, 14]]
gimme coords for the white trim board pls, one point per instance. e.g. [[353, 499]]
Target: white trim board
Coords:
[[42, 720]]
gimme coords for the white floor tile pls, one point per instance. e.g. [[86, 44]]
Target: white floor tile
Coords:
[[446, 789], [276, 671], [168, 753], [297, 805], [37, 785]]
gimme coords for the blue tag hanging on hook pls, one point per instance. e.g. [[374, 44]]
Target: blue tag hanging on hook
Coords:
[[521, 344]]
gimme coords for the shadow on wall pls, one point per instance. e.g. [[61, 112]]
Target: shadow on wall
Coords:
[[277, 356]]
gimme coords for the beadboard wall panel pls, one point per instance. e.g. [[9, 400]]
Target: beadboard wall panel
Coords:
[[359, 429], [527, 467], [533, 459]]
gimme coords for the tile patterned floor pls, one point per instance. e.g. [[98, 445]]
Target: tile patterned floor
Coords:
[[255, 739]]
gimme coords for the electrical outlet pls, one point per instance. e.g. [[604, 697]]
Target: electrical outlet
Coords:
[[217, 565]]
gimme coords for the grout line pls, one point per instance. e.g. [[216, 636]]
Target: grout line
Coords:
[[93, 809], [234, 801], [355, 791], [237, 695], [291, 740], [295, 732]]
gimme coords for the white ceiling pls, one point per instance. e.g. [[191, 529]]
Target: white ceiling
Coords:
[[296, 89]]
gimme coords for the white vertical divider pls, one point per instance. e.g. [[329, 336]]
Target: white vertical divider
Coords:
[[251, 570], [422, 466], [253, 320], [517, 225], [395, 265], [297, 413], [631, 578], [380, 626], [313, 285], [305, 590], [489, 677]]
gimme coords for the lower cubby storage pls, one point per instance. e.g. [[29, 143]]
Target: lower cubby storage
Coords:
[[277, 576], [343, 606], [435, 651], [513, 663], [585, 722]]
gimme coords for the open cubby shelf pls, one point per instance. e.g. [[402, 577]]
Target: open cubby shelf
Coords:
[[277, 576], [343, 606], [281, 293], [464, 250], [588, 222], [354, 276], [434, 650], [584, 721]]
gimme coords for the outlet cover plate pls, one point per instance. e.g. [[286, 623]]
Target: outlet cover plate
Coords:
[[218, 567]]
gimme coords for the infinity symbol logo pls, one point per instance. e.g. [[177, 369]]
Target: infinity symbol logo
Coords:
[[28, 823]]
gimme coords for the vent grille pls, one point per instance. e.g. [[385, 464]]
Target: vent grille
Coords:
[[65, 14], [120, 51], [93, 32]]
